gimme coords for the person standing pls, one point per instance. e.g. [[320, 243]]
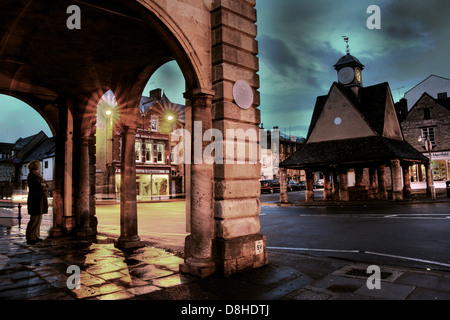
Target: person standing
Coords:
[[37, 201]]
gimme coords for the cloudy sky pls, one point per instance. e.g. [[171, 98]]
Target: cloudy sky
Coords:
[[299, 42]]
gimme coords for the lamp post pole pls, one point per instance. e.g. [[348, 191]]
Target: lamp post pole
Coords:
[[429, 147]]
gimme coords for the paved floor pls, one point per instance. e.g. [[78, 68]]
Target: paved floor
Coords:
[[40, 272]]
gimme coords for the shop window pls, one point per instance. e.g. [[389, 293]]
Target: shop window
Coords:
[[439, 170]]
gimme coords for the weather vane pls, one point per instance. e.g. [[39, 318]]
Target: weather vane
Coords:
[[346, 41]]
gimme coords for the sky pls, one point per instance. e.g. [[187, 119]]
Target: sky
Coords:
[[299, 42]]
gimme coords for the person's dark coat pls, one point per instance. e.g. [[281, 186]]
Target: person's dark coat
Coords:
[[37, 195]]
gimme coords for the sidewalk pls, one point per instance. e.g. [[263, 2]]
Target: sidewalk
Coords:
[[39, 272]]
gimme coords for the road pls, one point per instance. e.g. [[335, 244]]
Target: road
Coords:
[[415, 235]]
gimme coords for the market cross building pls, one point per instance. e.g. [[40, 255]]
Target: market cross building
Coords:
[[356, 141], [64, 72]]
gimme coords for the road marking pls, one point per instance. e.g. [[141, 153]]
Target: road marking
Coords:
[[310, 249], [407, 258], [359, 251]]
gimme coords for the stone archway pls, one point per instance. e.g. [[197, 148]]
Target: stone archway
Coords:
[[120, 44]]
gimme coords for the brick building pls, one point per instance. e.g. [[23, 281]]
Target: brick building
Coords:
[[429, 117], [157, 176]]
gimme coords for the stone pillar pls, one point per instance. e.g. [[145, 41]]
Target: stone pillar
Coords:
[[82, 192], [128, 207], [198, 245], [309, 194], [381, 172], [327, 194], [359, 177], [334, 184], [343, 185], [407, 192], [373, 190], [397, 186], [284, 198], [238, 244]]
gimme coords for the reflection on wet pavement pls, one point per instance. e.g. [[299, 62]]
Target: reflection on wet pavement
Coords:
[[107, 273]]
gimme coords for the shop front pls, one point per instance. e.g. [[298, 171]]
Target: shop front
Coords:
[[151, 183], [440, 168]]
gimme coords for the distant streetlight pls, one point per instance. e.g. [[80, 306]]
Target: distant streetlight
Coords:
[[429, 146], [170, 118], [108, 112]]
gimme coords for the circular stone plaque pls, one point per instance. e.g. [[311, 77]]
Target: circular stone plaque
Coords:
[[243, 94]]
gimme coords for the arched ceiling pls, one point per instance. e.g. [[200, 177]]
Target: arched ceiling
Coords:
[[43, 60]]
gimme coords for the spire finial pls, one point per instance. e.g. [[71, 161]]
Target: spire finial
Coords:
[[346, 41]]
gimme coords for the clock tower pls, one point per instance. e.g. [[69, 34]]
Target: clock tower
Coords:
[[349, 70]]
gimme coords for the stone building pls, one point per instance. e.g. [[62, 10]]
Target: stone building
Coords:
[[437, 87], [354, 131], [157, 176], [15, 158], [119, 45], [429, 117]]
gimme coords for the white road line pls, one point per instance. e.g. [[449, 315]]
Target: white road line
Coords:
[[309, 249], [359, 251]]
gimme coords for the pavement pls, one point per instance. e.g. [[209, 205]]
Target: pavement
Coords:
[[40, 272]]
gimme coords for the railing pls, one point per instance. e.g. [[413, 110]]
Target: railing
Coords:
[[19, 215]]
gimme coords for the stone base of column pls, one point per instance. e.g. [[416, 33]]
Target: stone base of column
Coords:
[[309, 196], [56, 232], [397, 195], [240, 254], [198, 267], [129, 243], [84, 233]]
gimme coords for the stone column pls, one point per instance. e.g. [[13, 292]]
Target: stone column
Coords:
[[327, 194], [198, 245], [284, 198], [128, 207], [238, 244], [335, 184], [359, 177], [381, 172], [343, 185], [309, 194], [407, 192], [82, 192], [373, 190], [397, 186]]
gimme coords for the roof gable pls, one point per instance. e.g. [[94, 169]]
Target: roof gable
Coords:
[[336, 117]]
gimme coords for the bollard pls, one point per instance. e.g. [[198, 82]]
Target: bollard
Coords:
[[19, 215]]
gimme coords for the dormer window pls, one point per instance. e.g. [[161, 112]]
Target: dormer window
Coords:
[[442, 95]]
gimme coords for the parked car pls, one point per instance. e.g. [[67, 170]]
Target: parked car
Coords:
[[270, 186], [318, 184], [293, 186], [302, 185]]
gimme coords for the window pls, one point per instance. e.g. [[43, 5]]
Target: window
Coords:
[[148, 152], [442, 95], [427, 113], [154, 123], [160, 153], [428, 132], [138, 150], [45, 164]]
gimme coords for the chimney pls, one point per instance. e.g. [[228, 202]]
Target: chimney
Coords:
[[156, 94]]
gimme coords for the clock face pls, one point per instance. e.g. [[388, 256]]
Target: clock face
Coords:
[[358, 75], [346, 75]]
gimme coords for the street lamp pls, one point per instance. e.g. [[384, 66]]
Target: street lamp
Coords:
[[429, 146]]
